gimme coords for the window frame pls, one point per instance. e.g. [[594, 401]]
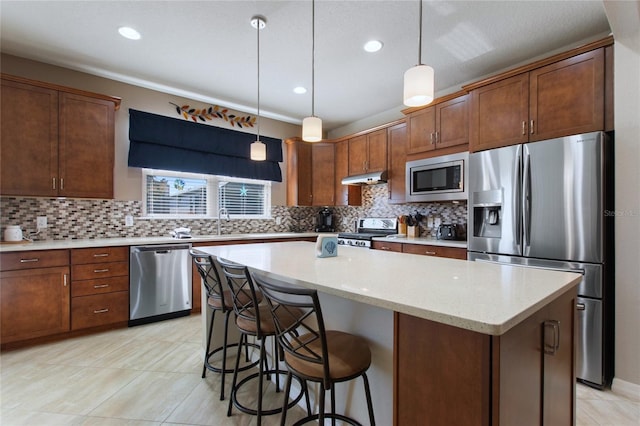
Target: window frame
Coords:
[[212, 195]]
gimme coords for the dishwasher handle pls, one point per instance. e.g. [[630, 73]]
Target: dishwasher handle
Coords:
[[160, 249]]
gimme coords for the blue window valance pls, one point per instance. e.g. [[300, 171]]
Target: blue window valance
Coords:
[[161, 142]]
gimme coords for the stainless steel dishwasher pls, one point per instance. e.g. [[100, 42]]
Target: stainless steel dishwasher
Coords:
[[159, 282]]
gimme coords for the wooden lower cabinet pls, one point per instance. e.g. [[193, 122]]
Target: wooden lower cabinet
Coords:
[[438, 251], [386, 245], [100, 286], [452, 376]]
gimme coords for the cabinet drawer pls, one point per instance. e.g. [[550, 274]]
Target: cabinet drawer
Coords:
[[438, 251], [99, 309], [100, 270], [99, 255], [384, 245], [33, 259], [104, 285]]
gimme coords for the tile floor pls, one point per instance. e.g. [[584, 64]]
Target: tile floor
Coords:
[[150, 375]]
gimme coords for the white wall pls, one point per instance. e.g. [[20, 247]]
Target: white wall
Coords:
[[127, 180], [624, 18]]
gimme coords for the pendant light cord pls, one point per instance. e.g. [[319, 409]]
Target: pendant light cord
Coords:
[[420, 38], [313, 57], [258, 119]]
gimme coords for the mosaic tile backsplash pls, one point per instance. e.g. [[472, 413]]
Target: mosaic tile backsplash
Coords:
[[82, 218]]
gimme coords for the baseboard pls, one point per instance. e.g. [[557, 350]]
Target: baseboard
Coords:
[[627, 389]]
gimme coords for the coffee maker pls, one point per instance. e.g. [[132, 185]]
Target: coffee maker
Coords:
[[325, 220]]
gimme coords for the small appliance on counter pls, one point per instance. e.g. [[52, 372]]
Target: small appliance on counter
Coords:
[[325, 220], [13, 233], [452, 231], [181, 233]]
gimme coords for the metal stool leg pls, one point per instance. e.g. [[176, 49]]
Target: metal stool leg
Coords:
[[243, 338], [224, 352], [367, 392], [206, 352]]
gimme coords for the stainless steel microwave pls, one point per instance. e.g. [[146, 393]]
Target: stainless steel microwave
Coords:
[[441, 178]]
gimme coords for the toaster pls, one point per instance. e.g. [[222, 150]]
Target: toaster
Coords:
[[451, 232]]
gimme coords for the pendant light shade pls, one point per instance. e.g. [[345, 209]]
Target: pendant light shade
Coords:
[[312, 126], [312, 129], [258, 149], [419, 86]]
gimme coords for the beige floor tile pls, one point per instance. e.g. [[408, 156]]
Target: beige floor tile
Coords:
[[150, 396], [105, 421], [19, 417], [611, 413], [184, 358]]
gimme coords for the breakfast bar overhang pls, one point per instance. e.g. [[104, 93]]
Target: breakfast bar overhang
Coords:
[[454, 342]]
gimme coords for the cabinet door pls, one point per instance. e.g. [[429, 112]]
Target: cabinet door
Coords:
[[499, 114], [323, 174], [438, 251], [452, 122], [398, 142], [377, 151], [28, 140], [35, 303], [567, 97], [345, 195], [298, 173], [358, 155], [422, 129], [86, 146]]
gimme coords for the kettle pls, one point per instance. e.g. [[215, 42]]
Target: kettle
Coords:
[[13, 233], [325, 220]]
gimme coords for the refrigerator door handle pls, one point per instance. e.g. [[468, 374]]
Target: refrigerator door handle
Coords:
[[546, 268], [517, 205], [526, 202]]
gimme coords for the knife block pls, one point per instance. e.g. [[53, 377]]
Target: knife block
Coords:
[[402, 228], [412, 231]]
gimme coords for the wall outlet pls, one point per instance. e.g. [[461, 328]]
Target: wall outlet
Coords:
[[436, 222], [41, 222], [430, 222], [278, 220], [128, 220]]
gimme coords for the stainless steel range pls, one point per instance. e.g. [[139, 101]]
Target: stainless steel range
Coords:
[[366, 229]]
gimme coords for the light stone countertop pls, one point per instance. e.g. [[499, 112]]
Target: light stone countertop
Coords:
[[485, 298], [137, 241]]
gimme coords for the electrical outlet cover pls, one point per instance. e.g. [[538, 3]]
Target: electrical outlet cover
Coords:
[[41, 222], [128, 220]]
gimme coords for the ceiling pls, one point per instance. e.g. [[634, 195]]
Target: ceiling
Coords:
[[206, 50]]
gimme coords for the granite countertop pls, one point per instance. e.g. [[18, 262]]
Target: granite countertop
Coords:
[[423, 241], [482, 297], [136, 241]]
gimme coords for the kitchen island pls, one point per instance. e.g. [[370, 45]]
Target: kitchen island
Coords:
[[453, 342]]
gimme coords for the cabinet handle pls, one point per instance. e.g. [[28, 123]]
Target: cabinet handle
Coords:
[[101, 286], [524, 127], [101, 311], [64, 280], [554, 325], [35, 259], [101, 255], [437, 137], [430, 253], [384, 248], [431, 137], [53, 183], [580, 306], [531, 127], [101, 270]]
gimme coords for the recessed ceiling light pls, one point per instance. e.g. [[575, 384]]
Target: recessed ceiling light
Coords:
[[373, 46], [130, 33], [300, 90]]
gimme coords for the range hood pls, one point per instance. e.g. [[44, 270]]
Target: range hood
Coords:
[[366, 179]]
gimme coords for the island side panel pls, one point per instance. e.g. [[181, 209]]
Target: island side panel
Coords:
[[442, 374]]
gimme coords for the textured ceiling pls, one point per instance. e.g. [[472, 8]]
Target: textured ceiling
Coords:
[[206, 50]]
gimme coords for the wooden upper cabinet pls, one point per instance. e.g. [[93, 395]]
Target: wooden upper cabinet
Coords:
[[499, 114], [323, 174], [562, 98], [345, 195], [439, 126], [298, 172], [398, 144], [56, 141], [86, 146], [28, 140], [567, 97], [368, 153]]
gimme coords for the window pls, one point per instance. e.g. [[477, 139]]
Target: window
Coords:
[[169, 194]]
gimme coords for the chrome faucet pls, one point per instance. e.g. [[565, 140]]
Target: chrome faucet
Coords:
[[222, 211]]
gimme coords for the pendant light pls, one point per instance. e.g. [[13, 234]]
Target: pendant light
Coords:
[[258, 148], [312, 126], [418, 80]]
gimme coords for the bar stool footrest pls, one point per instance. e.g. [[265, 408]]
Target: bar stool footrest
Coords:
[[267, 373], [215, 369]]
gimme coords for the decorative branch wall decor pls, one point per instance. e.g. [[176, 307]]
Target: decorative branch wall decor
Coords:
[[212, 112]]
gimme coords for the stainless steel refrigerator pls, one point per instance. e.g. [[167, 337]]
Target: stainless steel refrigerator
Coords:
[[549, 204]]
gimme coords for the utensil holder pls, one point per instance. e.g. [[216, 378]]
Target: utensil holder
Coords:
[[402, 228], [412, 231]]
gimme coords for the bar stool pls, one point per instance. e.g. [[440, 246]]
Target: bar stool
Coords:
[[254, 319], [217, 300], [313, 353]]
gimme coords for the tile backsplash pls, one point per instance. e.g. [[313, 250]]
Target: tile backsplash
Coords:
[[85, 218]]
